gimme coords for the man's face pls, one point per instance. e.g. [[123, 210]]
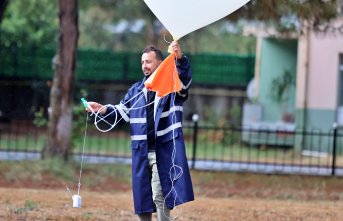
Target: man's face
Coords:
[[149, 63]]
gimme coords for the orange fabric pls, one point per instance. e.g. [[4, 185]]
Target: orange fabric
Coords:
[[165, 79]]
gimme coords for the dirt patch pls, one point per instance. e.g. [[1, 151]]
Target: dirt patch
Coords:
[[40, 195], [35, 204]]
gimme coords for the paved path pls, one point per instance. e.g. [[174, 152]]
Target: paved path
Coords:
[[199, 164]]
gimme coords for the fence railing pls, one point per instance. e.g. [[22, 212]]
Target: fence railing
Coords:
[[233, 149]]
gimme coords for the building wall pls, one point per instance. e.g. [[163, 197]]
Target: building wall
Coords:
[[324, 69], [277, 56], [318, 80]]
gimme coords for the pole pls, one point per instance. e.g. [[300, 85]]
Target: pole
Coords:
[[334, 150], [195, 119]]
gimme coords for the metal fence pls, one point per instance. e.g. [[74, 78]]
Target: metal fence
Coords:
[[208, 148]]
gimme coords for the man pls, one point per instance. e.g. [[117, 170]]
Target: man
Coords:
[[160, 173]]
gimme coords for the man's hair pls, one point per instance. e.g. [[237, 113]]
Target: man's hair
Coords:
[[153, 48]]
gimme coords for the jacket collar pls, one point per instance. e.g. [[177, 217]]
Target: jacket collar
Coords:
[[141, 85]]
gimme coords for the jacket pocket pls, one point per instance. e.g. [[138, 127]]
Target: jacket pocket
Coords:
[[169, 136], [134, 145]]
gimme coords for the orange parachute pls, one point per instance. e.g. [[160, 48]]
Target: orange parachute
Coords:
[[165, 79]]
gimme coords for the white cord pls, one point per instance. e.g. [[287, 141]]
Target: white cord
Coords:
[[98, 117], [83, 151], [81, 164], [173, 174]]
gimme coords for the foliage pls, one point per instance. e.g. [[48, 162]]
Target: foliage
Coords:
[[3, 5], [95, 18], [212, 117], [79, 120], [31, 22], [57, 168], [286, 14], [40, 119], [99, 22], [17, 172], [34, 172], [28, 206], [218, 38], [106, 24], [281, 90], [235, 113], [91, 25], [36, 22], [281, 87]]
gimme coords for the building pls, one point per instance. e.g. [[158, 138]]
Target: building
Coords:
[[298, 81]]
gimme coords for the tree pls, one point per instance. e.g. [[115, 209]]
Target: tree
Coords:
[[286, 15], [29, 23], [101, 20], [60, 116], [3, 5]]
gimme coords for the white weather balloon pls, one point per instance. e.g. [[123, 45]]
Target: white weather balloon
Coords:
[[181, 17]]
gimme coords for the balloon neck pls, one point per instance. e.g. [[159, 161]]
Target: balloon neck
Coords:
[[175, 38]]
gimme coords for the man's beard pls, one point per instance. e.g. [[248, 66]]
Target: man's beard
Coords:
[[147, 73]]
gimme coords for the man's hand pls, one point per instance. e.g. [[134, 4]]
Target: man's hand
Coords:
[[175, 47], [96, 107]]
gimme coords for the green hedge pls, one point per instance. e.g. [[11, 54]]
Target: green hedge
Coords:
[[96, 65]]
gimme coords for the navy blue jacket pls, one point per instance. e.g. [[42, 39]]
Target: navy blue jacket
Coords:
[[168, 125]]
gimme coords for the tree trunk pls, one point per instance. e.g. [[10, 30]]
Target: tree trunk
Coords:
[[61, 95], [3, 5]]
